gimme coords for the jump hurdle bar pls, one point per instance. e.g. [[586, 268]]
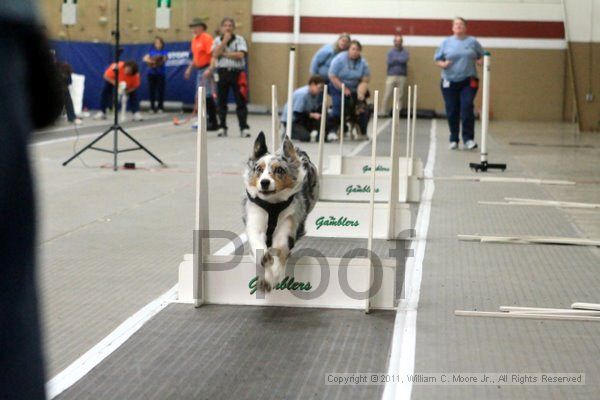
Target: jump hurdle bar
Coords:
[[206, 278], [483, 165]]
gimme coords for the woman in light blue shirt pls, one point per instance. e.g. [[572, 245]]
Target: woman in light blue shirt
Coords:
[[322, 58], [458, 57], [353, 71]]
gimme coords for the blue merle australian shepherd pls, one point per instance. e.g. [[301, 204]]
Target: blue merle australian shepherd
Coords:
[[281, 189]]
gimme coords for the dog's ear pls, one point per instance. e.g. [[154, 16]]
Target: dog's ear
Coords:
[[288, 150], [260, 147]]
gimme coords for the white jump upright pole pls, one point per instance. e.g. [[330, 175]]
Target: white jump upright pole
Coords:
[[372, 199], [413, 130], [322, 132], [408, 127], [274, 119], [485, 118], [288, 126], [342, 124], [201, 243], [393, 195]]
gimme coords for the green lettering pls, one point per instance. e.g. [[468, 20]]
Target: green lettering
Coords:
[[252, 285]]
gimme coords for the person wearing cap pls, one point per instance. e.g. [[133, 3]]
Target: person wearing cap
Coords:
[[322, 58], [229, 60], [201, 48]]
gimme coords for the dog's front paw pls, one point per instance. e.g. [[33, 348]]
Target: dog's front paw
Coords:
[[264, 286], [267, 260]]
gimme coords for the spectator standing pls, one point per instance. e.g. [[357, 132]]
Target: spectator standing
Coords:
[[129, 74], [458, 56], [306, 110], [351, 69], [322, 59], [229, 60], [201, 47], [397, 59], [156, 59]]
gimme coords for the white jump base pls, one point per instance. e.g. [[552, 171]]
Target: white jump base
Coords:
[[357, 165], [351, 220], [234, 286], [350, 188]]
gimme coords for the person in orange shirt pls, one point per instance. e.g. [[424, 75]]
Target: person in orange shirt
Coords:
[[201, 48], [128, 73]]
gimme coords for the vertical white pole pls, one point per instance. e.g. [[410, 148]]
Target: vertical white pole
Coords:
[[485, 107], [322, 132], [296, 22], [274, 119], [342, 126], [202, 246], [412, 136], [372, 199], [288, 127], [393, 196], [408, 109]]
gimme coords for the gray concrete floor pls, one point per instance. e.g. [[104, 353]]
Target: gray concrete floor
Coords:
[[111, 242]]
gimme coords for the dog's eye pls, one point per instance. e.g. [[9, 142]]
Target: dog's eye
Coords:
[[279, 171], [258, 169]]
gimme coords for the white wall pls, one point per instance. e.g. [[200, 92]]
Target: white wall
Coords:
[[510, 10], [583, 20]]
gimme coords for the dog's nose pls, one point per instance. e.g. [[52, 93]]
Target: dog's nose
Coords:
[[265, 183]]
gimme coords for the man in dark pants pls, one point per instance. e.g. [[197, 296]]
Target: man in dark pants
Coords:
[[30, 98], [229, 59]]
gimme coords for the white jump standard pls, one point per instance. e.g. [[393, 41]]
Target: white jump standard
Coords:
[[483, 166]]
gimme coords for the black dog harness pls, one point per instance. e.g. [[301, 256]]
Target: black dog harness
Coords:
[[273, 209]]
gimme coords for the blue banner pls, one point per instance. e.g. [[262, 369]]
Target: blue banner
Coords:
[[92, 59]]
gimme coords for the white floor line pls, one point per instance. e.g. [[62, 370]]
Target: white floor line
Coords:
[[104, 127], [84, 364], [402, 357], [364, 144]]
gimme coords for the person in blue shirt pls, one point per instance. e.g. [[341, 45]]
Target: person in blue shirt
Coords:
[[156, 58], [322, 58], [306, 110], [458, 57], [351, 69]]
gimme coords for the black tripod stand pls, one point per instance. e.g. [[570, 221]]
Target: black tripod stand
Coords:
[[116, 128]]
